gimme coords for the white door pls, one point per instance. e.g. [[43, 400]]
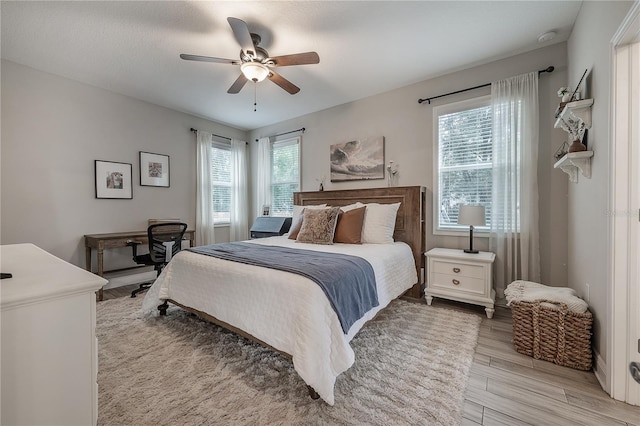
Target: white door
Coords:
[[624, 332]]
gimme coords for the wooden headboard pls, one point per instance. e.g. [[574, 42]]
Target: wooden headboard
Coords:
[[410, 220]]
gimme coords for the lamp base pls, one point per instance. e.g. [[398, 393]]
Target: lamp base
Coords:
[[471, 251]]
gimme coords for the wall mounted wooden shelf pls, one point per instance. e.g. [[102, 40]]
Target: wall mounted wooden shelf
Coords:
[[575, 116], [574, 161]]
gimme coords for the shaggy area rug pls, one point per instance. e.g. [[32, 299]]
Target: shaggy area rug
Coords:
[[412, 367]]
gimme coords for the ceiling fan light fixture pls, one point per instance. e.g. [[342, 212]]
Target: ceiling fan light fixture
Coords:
[[254, 71]]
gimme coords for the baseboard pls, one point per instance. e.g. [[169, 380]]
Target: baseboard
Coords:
[[120, 280], [600, 371]]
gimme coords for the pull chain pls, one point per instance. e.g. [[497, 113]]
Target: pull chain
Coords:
[[255, 96]]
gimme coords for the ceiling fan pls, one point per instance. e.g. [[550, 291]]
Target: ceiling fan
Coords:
[[255, 62]]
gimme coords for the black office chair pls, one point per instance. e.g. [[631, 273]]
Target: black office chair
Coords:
[[165, 240]]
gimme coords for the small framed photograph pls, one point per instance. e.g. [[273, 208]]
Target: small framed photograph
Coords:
[[113, 179], [154, 169]]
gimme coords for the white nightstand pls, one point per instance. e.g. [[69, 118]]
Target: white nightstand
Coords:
[[465, 277]]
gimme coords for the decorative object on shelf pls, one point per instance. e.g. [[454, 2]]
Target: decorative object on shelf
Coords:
[[575, 119], [113, 179], [565, 98], [577, 146], [562, 151], [574, 161], [576, 94], [472, 216], [154, 169], [391, 173], [321, 180], [565, 94], [358, 160]]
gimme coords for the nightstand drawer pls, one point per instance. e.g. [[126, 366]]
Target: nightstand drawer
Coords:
[[458, 269], [461, 283]]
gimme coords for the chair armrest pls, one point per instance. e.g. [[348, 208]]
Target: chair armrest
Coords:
[[134, 246]]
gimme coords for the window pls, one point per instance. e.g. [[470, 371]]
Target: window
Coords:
[[285, 175], [221, 182], [463, 161]]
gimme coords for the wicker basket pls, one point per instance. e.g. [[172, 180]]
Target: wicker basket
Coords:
[[552, 333]]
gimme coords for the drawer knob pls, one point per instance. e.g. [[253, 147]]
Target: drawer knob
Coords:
[[455, 282], [456, 270]]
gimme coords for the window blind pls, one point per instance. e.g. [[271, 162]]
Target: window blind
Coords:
[[464, 163], [285, 175], [221, 182]]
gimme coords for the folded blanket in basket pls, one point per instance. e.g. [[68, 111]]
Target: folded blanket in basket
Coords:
[[528, 291]]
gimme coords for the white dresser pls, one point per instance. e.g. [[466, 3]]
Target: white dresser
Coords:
[[465, 277], [49, 350]]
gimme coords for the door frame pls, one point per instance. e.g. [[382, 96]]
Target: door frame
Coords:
[[624, 210]]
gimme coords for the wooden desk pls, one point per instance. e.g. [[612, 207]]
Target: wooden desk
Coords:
[[118, 240]]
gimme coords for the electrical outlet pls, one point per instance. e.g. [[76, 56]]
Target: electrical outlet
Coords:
[[588, 286]]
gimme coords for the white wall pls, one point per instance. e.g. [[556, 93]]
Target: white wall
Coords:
[[52, 131], [589, 47], [408, 130]]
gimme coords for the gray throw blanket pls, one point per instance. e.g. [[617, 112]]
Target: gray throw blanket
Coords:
[[348, 281]]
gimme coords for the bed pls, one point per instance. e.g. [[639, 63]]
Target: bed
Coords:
[[287, 312]]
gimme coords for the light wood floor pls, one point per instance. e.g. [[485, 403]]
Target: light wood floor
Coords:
[[507, 388]]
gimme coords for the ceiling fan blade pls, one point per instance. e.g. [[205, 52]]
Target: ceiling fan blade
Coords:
[[296, 59], [242, 35], [283, 82], [208, 59], [238, 84]]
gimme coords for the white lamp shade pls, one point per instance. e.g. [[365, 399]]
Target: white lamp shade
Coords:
[[254, 71], [471, 215]]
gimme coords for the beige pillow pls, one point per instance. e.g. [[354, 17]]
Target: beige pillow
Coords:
[[318, 225], [349, 227]]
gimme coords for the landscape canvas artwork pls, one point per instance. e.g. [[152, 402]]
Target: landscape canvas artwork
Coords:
[[358, 160]]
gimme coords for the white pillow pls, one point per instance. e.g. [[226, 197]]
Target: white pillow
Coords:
[[351, 206], [297, 216], [379, 223]]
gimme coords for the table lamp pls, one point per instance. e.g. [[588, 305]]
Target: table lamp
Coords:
[[472, 216]]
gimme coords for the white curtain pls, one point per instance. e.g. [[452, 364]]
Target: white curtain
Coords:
[[239, 200], [264, 175], [514, 207], [204, 199]]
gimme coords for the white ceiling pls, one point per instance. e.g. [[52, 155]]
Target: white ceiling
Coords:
[[365, 48]]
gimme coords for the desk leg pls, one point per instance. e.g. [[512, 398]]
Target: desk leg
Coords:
[[87, 252], [100, 271]]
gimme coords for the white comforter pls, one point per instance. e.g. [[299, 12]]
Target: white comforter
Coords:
[[285, 310]]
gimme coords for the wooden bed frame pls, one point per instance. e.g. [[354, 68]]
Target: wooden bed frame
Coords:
[[409, 229]]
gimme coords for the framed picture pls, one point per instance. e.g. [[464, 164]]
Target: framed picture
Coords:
[[154, 169], [113, 180], [357, 160]]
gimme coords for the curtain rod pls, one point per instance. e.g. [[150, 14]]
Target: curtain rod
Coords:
[[302, 129], [428, 100], [212, 134]]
